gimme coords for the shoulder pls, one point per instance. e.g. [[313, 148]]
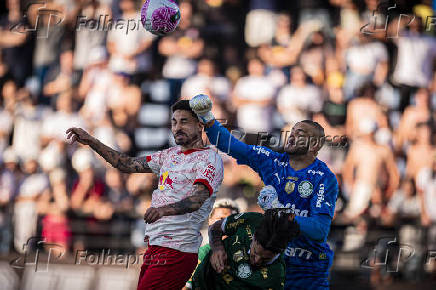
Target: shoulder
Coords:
[[324, 171], [210, 154]]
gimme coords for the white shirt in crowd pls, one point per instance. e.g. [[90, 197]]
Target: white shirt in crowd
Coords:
[[415, 60], [217, 86], [363, 59], [296, 101], [254, 118], [127, 42], [427, 183]]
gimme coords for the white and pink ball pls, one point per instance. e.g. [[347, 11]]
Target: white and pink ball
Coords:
[[160, 17]]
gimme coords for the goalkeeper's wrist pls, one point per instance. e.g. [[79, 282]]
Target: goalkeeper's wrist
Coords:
[[206, 118]]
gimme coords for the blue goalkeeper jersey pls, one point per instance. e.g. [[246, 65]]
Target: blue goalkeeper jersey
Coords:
[[307, 192]]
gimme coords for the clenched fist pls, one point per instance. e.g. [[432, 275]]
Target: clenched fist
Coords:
[[153, 214], [79, 135], [202, 106], [218, 260]]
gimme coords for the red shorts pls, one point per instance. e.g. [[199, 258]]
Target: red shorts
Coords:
[[166, 268]]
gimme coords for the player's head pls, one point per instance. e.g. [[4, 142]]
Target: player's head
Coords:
[[306, 138], [185, 125], [272, 236], [222, 209]]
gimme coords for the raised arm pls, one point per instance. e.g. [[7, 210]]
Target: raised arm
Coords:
[[186, 205], [117, 159], [217, 134]]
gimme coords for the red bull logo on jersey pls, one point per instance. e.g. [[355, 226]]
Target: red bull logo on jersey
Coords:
[[165, 179]]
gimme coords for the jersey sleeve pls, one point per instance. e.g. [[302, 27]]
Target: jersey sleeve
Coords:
[[155, 161], [257, 157], [210, 173], [324, 201], [234, 221]]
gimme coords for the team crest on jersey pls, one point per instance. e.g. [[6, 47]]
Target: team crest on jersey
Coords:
[[289, 187], [165, 180], [244, 271], [305, 188]]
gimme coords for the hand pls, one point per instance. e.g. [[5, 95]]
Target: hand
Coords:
[[218, 260], [153, 214], [79, 135], [202, 106]]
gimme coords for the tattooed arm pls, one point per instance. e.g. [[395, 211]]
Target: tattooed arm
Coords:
[[118, 160], [186, 205]]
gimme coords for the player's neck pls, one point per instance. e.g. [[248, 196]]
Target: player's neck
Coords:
[[196, 144], [301, 162]]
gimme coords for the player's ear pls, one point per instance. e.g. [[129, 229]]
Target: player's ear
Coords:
[[200, 125]]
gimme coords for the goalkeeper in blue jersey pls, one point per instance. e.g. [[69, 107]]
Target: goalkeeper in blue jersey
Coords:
[[296, 179]]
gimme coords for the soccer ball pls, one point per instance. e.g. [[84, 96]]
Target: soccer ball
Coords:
[[160, 17]]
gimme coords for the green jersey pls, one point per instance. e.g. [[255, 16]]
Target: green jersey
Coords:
[[239, 274]]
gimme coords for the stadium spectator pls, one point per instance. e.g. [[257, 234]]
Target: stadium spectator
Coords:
[[366, 61], [129, 49], [370, 180], [252, 98], [419, 112], [410, 75], [363, 109], [9, 182], [421, 147], [299, 99]]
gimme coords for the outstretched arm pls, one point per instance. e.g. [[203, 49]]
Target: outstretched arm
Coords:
[[217, 134], [117, 159], [186, 205]]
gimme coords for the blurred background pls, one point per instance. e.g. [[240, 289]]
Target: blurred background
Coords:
[[363, 69]]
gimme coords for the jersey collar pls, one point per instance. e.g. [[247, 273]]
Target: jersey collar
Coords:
[[189, 151]]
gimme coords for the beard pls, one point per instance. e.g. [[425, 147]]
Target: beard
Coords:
[[297, 148], [298, 151], [183, 139]]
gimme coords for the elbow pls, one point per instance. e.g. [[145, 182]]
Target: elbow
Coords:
[[321, 234]]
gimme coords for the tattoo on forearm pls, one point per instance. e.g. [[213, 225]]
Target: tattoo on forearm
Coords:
[[191, 203], [216, 235], [119, 160]]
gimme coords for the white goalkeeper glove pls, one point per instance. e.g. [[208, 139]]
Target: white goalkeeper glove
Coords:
[[202, 106], [268, 198]]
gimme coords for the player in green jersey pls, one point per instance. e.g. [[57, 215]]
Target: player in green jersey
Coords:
[[250, 256]]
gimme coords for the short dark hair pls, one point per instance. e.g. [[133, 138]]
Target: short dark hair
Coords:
[[183, 105], [319, 129], [276, 230]]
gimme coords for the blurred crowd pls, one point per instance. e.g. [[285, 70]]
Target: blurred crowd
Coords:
[[365, 70]]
